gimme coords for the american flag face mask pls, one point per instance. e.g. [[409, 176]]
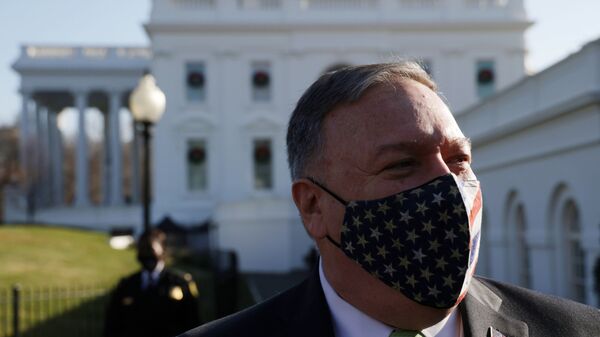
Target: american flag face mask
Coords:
[[423, 242]]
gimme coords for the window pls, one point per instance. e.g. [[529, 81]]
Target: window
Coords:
[[263, 164], [195, 82], [575, 258], [523, 262], [196, 165], [261, 81], [485, 78]]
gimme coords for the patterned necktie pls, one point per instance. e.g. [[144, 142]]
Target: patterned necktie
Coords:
[[406, 333]]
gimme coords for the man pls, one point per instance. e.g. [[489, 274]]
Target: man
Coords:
[[154, 301], [382, 180]]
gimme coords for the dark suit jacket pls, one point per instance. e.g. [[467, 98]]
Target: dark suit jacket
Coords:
[[164, 310], [512, 311]]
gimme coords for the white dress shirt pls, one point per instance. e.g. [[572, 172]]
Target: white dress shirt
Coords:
[[151, 278], [348, 321]]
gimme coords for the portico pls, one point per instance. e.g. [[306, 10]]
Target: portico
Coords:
[[53, 80]]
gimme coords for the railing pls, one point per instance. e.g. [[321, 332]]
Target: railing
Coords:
[[259, 4], [486, 3], [48, 312], [420, 3], [338, 4], [91, 53], [304, 5], [199, 4]]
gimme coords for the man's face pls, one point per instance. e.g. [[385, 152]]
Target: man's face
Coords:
[[391, 140], [149, 254], [396, 137]]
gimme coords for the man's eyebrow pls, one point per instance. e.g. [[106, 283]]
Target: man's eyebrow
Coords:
[[462, 142], [410, 146]]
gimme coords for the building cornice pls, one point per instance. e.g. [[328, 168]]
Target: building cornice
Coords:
[[278, 27], [576, 103]]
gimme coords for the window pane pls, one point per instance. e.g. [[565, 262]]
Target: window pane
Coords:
[[195, 81], [485, 78], [196, 163], [263, 164], [260, 81]]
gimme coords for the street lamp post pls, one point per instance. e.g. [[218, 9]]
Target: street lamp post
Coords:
[[147, 103]]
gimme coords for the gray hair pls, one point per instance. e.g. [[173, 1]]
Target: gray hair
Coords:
[[346, 85]]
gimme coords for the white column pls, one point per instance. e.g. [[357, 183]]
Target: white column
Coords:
[[114, 137], [60, 178], [48, 158], [226, 7], [82, 191], [24, 142], [135, 166], [106, 160], [41, 139], [291, 7], [454, 8], [34, 151], [386, 6], [56, 159], [517, 8]]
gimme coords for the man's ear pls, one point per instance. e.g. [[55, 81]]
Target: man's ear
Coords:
[[307, 197]]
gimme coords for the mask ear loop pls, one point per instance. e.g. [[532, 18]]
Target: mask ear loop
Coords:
[[336, 197]]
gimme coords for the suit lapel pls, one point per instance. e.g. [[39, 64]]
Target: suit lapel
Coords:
[[311, 316], [482, 318], [480, 311]]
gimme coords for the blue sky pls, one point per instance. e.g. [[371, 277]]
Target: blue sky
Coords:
[[561, 28]]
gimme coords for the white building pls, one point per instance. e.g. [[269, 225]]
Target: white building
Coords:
[[537, 154], [232, 71], [228, 117]]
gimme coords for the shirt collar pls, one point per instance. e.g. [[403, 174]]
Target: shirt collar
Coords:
[[154, 274], [348, 321], [159, 268]]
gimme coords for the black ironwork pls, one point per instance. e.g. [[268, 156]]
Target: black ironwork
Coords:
[[146, 135]]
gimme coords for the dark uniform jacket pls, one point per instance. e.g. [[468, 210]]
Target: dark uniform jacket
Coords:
[[489, 309], [165, 309]]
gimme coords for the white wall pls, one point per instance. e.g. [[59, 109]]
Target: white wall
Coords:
[[540, 140], [299, 48]]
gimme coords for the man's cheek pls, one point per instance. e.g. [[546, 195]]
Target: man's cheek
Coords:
[[467, 174]]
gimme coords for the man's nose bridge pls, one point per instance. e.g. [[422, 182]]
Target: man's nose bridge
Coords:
[[439, 165]]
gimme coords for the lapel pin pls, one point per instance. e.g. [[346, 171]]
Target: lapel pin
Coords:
[[494, 333]]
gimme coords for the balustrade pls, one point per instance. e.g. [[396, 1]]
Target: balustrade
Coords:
[[91, 53], [196, 4], [260, 4], [338, 4], [420, 3], [486, 3], [307, 5]]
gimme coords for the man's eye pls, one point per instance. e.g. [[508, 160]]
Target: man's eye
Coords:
[[457, 160], [402, 164]]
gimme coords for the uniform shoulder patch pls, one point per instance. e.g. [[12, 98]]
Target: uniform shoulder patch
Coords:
[[193, 288], [127, 301], [176, 293]]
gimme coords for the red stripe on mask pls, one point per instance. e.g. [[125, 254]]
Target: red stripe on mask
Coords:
[[476, 207]]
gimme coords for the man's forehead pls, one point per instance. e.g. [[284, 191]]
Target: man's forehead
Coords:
[[151, 247], [424, 143], [405, 109]]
